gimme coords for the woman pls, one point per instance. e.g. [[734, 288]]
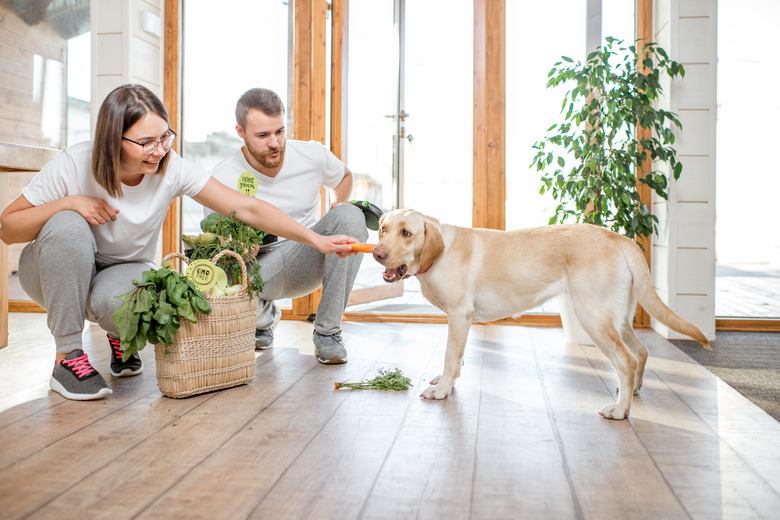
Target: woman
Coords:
[[93, 215]]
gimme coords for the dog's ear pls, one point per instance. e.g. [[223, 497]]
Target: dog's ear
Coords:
[[433, 246]]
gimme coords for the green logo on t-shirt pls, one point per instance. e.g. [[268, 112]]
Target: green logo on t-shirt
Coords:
[[247, 184]]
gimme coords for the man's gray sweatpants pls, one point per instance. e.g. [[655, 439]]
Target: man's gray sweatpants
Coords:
[[291, 270], [58, 271]]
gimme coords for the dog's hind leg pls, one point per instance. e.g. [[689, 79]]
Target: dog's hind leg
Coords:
[[640, 353], [603, 333], [457, 334]]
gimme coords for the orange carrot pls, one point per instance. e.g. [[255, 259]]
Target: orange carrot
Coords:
[[363, 248]]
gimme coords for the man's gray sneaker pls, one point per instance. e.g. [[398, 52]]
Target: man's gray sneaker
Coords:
[[264, 339], [330, 350], [75, 378]]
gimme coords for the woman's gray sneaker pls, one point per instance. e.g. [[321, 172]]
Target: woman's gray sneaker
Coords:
[[330, 350], [132, 367], [75, 378]]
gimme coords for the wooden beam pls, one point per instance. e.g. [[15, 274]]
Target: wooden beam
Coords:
[[308, 110], [3, 266], [171, 241], [339, 14], [489, 198], [644, 31]]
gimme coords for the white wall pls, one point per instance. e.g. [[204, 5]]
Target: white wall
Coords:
[[683, 256], [127, 46]]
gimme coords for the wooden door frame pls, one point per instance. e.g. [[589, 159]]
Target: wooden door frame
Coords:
[[171, 243], [307, 110]]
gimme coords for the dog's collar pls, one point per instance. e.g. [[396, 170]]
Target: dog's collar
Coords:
[[421, 271]]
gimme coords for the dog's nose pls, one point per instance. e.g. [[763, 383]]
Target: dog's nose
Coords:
[[379, 254]]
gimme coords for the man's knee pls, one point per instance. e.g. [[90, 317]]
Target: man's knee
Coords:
[[350, 221]]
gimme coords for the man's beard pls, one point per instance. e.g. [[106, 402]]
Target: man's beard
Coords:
[[264, 157]]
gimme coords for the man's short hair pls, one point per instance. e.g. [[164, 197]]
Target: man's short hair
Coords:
[[260, 99]]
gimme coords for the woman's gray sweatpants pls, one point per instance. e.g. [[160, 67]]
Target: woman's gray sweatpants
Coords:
[[291, 269], [59, 272]]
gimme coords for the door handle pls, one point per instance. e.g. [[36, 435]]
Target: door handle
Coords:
[[403, 115]]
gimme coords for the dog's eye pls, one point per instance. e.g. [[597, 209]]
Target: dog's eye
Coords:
[[405, 233]]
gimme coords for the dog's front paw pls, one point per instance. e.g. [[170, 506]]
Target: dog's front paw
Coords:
[[435, 380], [436, 391], [611, 411]]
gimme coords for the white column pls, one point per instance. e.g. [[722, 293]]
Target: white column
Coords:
[[127, 46], [683, 256]]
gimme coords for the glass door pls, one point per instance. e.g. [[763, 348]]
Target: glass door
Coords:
[[218, 69], [375, 124], [409, 134], [747, 280]]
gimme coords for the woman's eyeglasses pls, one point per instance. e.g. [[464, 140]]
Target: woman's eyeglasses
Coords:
[[149, 147]]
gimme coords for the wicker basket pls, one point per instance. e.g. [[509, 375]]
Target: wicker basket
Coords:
[[216, 352]]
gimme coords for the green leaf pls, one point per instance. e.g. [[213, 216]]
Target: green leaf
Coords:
[[677, 170]]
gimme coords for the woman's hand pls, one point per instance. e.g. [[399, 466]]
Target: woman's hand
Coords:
[[95, 211], [338, 244]]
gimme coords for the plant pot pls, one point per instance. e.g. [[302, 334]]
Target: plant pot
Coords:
[[571, 325]]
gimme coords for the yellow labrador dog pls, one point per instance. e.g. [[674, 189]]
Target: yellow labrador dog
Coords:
[[486, 275]]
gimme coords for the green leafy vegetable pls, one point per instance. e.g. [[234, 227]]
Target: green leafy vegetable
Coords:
[[154, 310], [220, 233], [386, 380]]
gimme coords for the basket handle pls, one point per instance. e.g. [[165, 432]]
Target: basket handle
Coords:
[[241, 263]]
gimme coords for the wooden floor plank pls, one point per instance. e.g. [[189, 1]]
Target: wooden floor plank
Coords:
[[170, 453], [520, 436], [520, 469], [428, 470], [609, 469], [259, 458]]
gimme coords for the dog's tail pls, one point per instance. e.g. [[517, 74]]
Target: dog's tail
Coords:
[[645, 294]]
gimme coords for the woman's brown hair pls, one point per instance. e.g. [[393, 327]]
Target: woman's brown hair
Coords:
[[122, 108]]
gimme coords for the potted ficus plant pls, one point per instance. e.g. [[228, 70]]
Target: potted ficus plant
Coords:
[[612, 137]]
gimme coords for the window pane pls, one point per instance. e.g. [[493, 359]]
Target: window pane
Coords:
[[45, 91], [226, 51], [538, 34], [44, 94], [438, 92], [747, 242], [372, 100]]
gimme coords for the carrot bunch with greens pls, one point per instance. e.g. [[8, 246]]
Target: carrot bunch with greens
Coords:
[[386, 380]]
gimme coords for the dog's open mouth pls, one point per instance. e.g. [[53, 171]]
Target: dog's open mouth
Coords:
[[394, 274]]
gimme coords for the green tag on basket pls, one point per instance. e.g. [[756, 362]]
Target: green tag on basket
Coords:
[[205, 274]]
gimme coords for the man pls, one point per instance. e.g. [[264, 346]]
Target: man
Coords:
[[289, 174]]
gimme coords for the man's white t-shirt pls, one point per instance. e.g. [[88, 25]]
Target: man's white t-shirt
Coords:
[[132, 237], [307, 166]]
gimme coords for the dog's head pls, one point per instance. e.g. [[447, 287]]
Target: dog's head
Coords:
[[409, 243]]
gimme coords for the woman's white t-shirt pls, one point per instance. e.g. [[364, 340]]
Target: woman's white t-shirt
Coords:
[[132, 237]]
